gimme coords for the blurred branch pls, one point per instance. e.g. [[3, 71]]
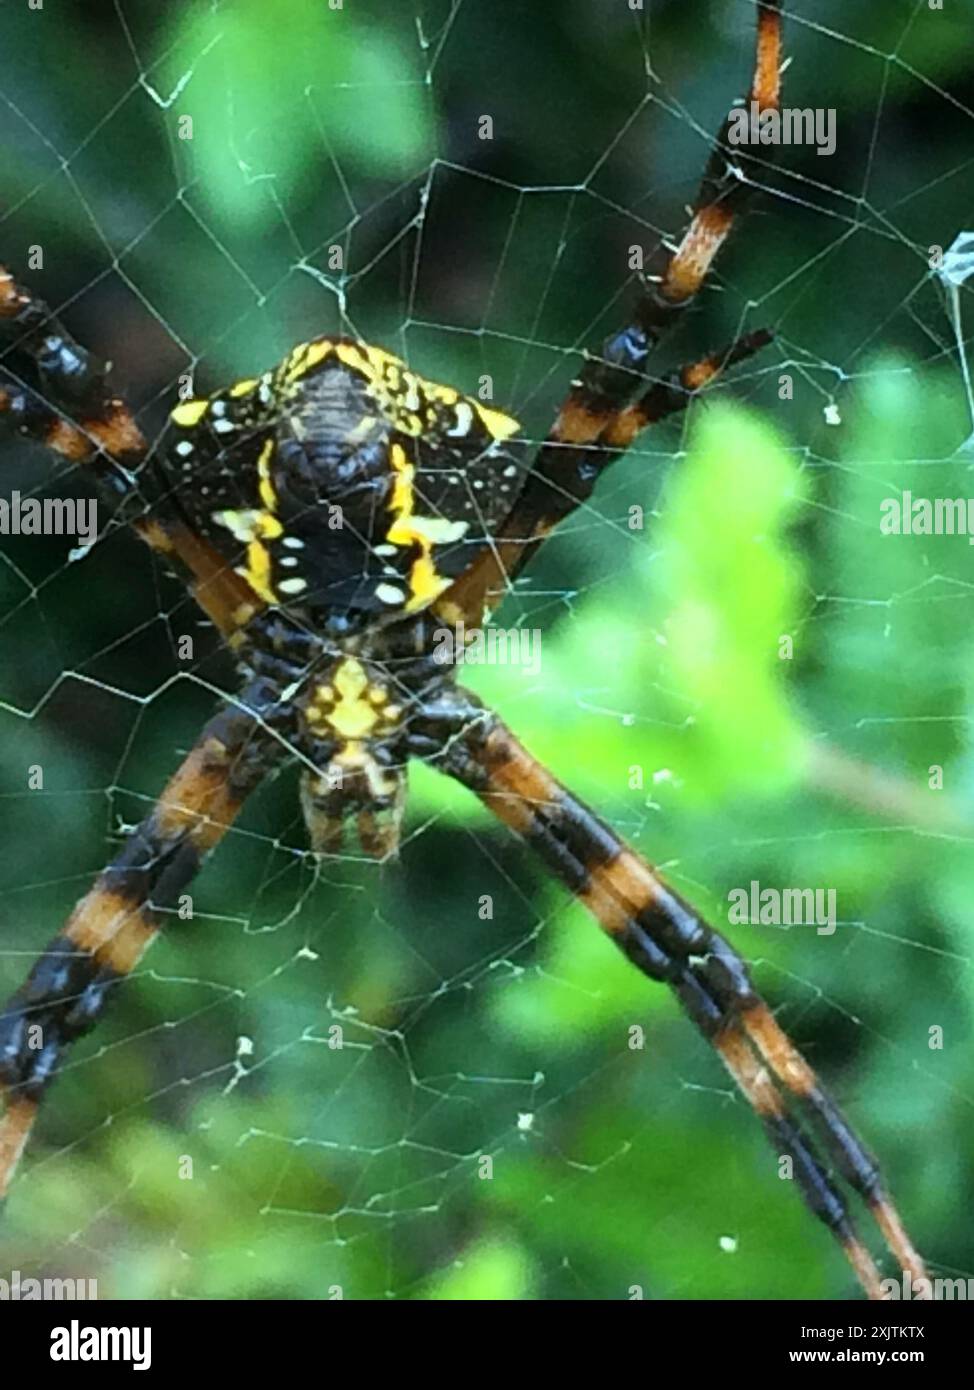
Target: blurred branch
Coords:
[[882, 793]]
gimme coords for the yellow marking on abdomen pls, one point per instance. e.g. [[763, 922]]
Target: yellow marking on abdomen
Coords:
[[257, 571], [501, 426], [249, 524], [188, 414], [265, 484], [425, 582]]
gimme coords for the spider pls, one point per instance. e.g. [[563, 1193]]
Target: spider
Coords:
[[331, 516]]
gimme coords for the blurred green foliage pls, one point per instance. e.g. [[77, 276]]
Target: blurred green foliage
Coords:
[[315, 1167], [363, 90]]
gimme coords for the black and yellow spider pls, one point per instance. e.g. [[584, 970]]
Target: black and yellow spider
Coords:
[[331, 517]]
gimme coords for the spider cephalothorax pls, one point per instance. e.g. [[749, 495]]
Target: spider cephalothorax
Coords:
[[329, 516]]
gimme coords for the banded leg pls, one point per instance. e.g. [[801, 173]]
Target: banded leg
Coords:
[[667, 940], [118, 919], [675, 391], [598, 420], [89, 425], [93, 428]]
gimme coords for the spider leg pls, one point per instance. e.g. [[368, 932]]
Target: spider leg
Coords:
[[677, 389], [539, 510], [598, 420], [124, 910], [667, 940], [609, 380], [101, 432], [93, 428], [857, 1165]]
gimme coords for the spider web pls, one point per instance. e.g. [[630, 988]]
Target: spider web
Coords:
[[296, 1093]]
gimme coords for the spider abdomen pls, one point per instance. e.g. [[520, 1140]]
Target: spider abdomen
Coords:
[[342, 483]]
